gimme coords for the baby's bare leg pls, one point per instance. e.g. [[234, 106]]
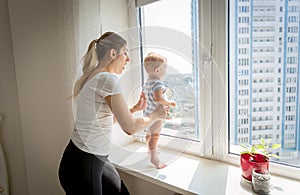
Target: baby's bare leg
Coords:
[[152, 141], [153, 134]]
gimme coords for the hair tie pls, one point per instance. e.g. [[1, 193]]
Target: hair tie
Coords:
[[97, 40]]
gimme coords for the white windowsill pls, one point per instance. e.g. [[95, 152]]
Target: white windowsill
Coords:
[[188, 174]]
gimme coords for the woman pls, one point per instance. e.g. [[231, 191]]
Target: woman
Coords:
[[85, 168]]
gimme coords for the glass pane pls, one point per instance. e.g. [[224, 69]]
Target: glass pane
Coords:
[[264, 75], [169, 29]]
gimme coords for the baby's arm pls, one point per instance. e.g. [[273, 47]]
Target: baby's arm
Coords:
[[158, 97]]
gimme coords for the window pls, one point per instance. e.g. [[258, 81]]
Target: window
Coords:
[[248, 84], [166, 25], [283, 125]]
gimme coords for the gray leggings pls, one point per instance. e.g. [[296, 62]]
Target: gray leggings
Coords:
[[82, 173]]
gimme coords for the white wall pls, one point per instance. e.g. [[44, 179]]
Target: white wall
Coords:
[[11, 136], [34, 27]]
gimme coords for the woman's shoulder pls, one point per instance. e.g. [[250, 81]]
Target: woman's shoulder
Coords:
[[106, 76], [106, 80]]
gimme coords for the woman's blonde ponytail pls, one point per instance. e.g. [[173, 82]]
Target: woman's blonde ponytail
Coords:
[[89, 65]]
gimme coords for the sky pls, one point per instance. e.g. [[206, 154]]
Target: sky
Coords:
[[177, 18]]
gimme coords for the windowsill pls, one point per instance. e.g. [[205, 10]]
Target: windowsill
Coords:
[[191, 174]]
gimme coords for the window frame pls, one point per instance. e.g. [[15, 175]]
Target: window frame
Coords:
[[214, 35], [192, 146]]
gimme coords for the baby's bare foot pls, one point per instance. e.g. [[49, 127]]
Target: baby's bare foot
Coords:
[[158, 164], [155, 160]]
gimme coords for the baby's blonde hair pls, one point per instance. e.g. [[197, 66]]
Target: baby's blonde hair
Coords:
[[152, 61]]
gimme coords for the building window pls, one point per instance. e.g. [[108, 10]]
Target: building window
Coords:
[[286, 101]]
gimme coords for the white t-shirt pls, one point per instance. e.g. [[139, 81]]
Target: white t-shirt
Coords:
[[93, 118]]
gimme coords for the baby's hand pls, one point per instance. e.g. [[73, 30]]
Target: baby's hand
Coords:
[[172, 103]]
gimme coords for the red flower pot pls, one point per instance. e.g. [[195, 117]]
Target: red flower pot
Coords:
[[249, 161]]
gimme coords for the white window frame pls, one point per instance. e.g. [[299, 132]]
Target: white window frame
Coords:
[[213, 35], [189, 146]]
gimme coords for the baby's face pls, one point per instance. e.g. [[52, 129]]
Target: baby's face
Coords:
[[162, 70]]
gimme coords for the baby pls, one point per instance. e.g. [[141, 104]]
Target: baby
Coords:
[[154, 89]]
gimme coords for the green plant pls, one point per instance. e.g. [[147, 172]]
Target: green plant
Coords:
[[263, 148]]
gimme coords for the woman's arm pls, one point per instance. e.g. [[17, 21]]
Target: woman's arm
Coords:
[[140, 105], [128, 123]]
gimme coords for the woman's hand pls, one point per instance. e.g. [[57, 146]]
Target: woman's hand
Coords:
[[141, 104], [126, 120]]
